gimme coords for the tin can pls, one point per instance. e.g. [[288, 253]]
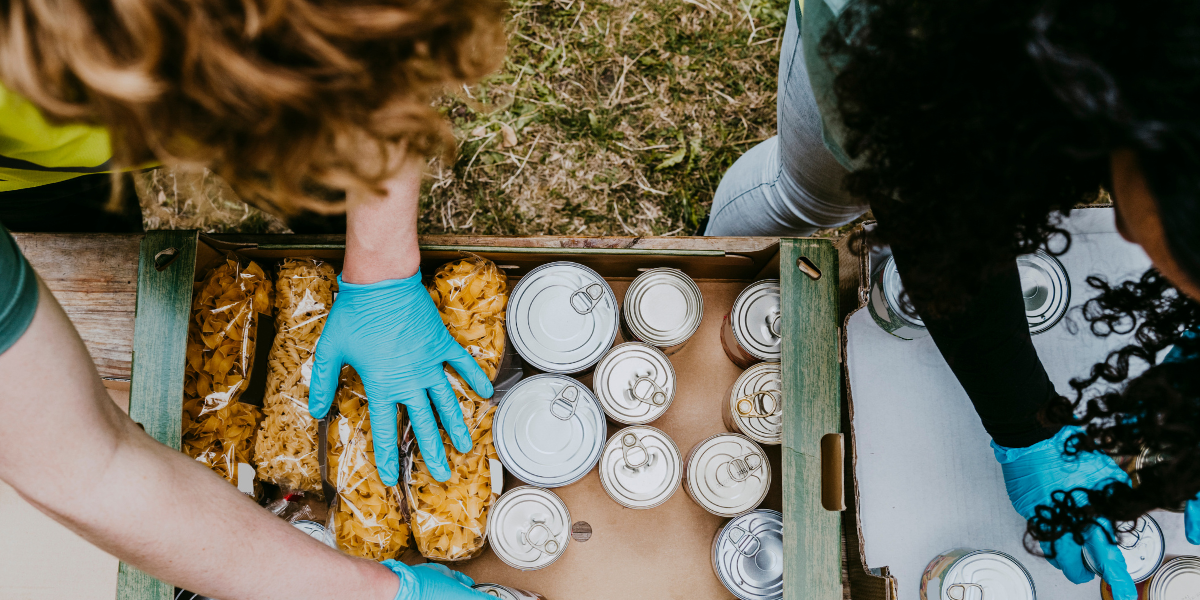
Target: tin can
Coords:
[[886, 307], [1144, 459], [1141, 543], [529, 528], [562, 318], [747, 555], [755, 405], [963, 574], [663, 307], [506, 593], [1177, 579], [635, 383], [727, 474], [549, 430], [753, 329], [316, 531], [1046, 289], [640, 467]]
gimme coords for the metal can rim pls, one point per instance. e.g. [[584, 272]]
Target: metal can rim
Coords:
[[635, 322], [1090, 564], [734, 391], [526, 489], [1056, 267], [602, 398], [721, 532], [678, 458], [501, 449], [1017, 563], [737, 333], [688, 470], [536, 362]]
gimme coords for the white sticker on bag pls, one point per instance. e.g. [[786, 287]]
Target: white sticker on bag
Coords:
[[497, 476], [306, 371], [245, 478]]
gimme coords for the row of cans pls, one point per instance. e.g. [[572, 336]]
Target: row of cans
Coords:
[[1045, 288], [563, 317]]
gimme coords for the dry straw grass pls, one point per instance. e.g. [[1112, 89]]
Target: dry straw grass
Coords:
[[608, 118]]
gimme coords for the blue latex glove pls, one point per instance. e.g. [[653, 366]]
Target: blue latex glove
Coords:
[[1032, 474], [391, 333], [431, 581]]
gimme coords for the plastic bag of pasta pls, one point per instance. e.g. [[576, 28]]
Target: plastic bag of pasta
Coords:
[[217, 429], [366, 518], [471, 294], [449, 519], [285, 448]]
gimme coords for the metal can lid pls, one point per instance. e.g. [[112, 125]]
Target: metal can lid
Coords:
[[748, 555], [635, 383], [1177, 579], [549, 430], [990, 574], [1046, 289], [529, 527], [756, 403], [1141, 543], [496, 590], [663, 307], [640, 467], [562, 317], [893, 293], [316, 531], [756, 320], [728, 474]]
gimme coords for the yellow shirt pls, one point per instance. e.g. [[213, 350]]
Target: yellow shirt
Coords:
[[35, 152]]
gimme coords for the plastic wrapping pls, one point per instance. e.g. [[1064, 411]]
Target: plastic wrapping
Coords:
[[366, 518], [471, 295], [285, 448], [217, 429], [449, 520]]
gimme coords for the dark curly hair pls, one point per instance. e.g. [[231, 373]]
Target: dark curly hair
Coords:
[[978, 125]]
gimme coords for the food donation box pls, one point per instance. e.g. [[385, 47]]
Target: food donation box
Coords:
[[933, 519], [617, 463]]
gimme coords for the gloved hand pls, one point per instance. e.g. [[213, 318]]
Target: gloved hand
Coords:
[[1032, 474], [391, 333], [430, 581]]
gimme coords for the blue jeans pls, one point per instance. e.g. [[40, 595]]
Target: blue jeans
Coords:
[[789, 185]]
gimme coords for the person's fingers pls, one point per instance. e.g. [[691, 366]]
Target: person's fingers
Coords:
[[1111, 561], [1069, 559], [429, 439], [466, 366], [451, 413], [322, 383], [384, 438], [1191, 520]]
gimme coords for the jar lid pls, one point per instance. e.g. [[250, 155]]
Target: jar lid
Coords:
[[756, 320], [562, 317], [756, 403], [748, 555], [529, 528], [549, 430], [640, 467], [635, 383], [663, 307], [728, 474]]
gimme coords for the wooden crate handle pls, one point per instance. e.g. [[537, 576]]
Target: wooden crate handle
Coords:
[[833, 453]]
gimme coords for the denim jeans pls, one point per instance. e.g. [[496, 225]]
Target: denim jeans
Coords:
[[789, 185]]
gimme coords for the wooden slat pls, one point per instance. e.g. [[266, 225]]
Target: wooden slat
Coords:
[[94, 278], [811, 384], [159, 349]]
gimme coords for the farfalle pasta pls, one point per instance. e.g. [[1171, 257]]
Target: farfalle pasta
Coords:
[[471, 295], [366, 517], [217, 429], [285, 448]]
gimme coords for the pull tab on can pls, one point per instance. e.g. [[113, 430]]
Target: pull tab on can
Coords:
[[966, 591], [747, 407], [741, 468], [584, 299], [629, 441], [775, 324], [564, 404], [549, 546], [654, 394], [747, 544]]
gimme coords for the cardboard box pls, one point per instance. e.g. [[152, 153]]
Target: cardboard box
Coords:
[[659, 553], [925, 479]]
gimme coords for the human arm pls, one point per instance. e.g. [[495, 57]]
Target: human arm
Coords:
[[385, 325]]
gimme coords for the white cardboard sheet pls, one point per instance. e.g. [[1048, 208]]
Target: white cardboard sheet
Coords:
[[927, 479]]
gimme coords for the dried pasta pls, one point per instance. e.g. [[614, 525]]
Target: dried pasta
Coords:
[[217, 429], [471, 295], [285, 448], [367, 519]]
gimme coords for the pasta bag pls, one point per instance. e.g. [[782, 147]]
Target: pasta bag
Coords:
[[449, 520], [217, 429], [285, 447], [366, 518], [471, 295]]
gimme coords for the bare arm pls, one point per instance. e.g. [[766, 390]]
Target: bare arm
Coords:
[[381, 233], [68, 450]]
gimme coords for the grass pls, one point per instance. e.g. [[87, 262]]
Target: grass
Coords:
[[607, 118]]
